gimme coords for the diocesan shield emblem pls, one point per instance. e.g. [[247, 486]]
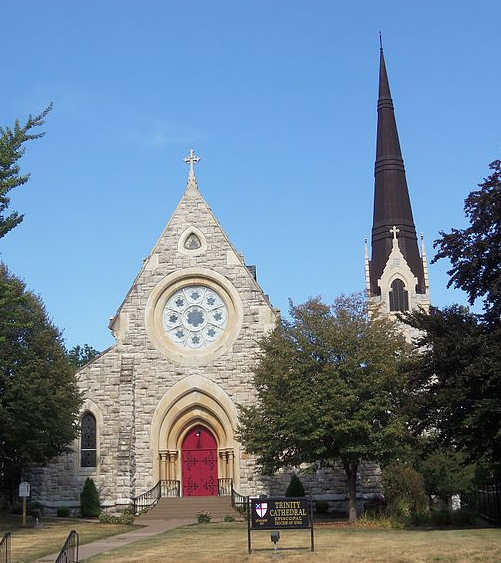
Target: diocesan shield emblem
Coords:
[[261, 509]]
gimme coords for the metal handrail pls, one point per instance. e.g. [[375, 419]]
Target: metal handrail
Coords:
[[5, 548], [170, 488], [148, 499], [69, 551], [164, 488], [238, 501], [224, 487]]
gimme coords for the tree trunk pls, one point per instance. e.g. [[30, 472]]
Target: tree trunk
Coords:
[[350, 468]]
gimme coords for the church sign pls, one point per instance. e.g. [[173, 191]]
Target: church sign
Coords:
[[280, 513]]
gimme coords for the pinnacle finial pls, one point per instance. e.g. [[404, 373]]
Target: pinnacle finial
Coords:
[[192, 159], [380, 41]]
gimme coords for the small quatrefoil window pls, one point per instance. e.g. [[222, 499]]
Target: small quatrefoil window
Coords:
[[192, 242]]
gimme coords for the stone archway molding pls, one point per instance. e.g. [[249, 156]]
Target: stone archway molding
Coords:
[[194, 399]]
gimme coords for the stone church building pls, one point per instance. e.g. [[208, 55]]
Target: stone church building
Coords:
[[160, 405]]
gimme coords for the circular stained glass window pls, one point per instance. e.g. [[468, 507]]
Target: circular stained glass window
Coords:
[[195, 316]]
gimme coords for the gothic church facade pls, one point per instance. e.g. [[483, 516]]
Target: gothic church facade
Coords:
[[160, 405]]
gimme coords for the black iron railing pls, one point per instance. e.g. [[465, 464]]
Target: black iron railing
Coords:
[[69, 552], [170, 488], [5, 548], [224, 487], [238, 501], [488, 500], [148, 499]]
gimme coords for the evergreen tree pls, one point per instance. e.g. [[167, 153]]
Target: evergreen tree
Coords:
[[295, 487], [329, 389], [39, 400], [12, 147], [90, 505]]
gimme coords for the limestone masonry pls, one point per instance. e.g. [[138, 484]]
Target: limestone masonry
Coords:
[[161, 403]]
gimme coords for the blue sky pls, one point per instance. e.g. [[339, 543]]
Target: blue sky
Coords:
[[278, 98]]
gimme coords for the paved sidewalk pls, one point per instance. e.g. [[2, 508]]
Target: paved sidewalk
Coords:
[[153, 528]]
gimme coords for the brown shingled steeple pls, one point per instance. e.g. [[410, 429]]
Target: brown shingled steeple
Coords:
[[392, 205]]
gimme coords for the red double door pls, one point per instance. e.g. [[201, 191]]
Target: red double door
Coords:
[[199, 463]]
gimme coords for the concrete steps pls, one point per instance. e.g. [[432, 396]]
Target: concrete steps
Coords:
[[188, 508]]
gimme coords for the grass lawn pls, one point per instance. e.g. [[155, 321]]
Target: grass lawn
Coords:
[[226, 542], [29, 544]]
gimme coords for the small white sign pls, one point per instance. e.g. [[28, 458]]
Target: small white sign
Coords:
[[24, 489]]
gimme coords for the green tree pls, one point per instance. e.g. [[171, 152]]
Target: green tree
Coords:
[[445, 473], [295, 487], [39, 400], [329, 389], [79, 356], [12, 147], [455, 382], [90, 505], [475, 252], [404, 491]]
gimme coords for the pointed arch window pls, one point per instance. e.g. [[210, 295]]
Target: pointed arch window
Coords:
[[399, 296], [88, 441]]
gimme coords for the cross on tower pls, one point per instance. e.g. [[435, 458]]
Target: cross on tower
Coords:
[[394, 232], [192, 159]]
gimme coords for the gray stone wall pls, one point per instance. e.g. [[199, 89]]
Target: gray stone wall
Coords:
[[124, 386]]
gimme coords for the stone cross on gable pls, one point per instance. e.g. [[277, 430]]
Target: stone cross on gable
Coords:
[[192, 159], [394, 232]]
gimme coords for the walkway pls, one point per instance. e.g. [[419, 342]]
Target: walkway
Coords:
[[153, 528]]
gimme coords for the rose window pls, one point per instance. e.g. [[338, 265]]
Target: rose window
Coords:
[[195, 316]]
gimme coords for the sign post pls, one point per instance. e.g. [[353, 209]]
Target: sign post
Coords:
[[24, 493], [279, 513]]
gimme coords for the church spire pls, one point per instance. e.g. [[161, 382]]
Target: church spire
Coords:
[[392, 207]]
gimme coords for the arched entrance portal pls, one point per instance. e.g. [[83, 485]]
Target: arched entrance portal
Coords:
[[193, 403], [199, 463]]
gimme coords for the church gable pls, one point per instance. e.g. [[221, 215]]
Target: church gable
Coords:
[[194, 291]]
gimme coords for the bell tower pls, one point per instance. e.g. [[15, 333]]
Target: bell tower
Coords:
[[396, 273]]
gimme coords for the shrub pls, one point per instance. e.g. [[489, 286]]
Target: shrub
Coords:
[[203, 517], [295, 488], [446, 518], [380, 520], [404, 492], [89, 500], [127, 517], [63, 512], [321, 507], [229, 518], [375, 507], [16, 508]]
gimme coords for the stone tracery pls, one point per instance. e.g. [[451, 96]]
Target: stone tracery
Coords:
[[195, 316]]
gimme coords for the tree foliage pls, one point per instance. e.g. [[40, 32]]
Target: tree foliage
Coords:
[[295, 487], [12, 147], [455, 382], [475, 252], [329, 389], [39, 400], [404, 491], [90, 505], [79, 356], [445, 473]]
